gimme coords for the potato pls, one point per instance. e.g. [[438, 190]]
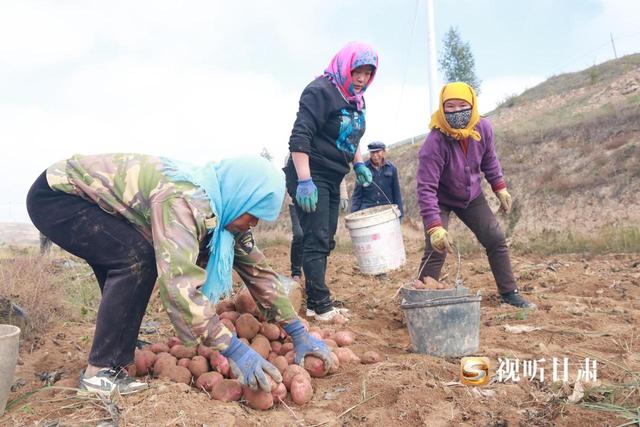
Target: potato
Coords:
[[301, 390], [292, 371], [173, 341], [162, 363], [262, 346], [286, 348], [344, 338], [247, 326], [330, 343], [346, 355], [315, 366], [159, 348], [276, 346], [339, 319], [184, 362], [224, 306], [144, 360], [336, 364], [204, 351], [245, 341], [198, 366], [226, 391], [269, 330], [291, 357], [180, 351], [280, 362], [245, 303], [257, 399], [219, 363], [370, 357], [177, 374], [231, 315], [271, 357], [279, 394], [228, 324], [131, 370], [207, 380], [327, 333]]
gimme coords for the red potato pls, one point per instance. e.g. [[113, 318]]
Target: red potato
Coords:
[[292, 371], [177, 374], [245, 341], [184, 362], [279, 394], [346, 355], [276, 346], [162, 363], [331, 343], [131, 370], [370, 357], [262, 346], [207, 380], [144, 360], [281, 363], [257, 399], [291, 357], [245, 303], [227, 391], [219, 363], [327, 333], [180, 351], [339, 319], [301, 390], [173, 341], [159, 348], [270, 331], [231, 315], [286, 348], [229, 325], [315, 366], [247, 326], [344, 338], [198, 366], [204, 351], [225, 306], [272, 356]]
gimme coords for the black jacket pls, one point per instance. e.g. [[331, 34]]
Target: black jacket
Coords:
[[328, 129], [386, 178]]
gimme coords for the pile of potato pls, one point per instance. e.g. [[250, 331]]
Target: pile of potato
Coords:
[[209, 370]]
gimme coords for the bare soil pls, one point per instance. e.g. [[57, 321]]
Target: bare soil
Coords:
[[588, 307]]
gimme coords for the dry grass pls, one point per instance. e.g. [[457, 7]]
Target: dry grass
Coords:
[[48, 288]]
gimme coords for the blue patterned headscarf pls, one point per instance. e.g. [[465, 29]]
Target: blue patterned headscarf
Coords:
[[235, 186]]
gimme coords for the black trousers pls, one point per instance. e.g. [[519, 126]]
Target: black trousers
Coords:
[[483, 223], [122, 259], [319, 229], [296, 242]]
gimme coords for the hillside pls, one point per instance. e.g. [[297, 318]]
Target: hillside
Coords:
[[570, 150]]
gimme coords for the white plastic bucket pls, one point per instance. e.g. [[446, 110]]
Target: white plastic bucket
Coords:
[[9, 336], [377, 239]]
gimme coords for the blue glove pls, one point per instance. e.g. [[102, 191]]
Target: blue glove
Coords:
[[363, 174], [304, 344], [307, 195], [249, 367]]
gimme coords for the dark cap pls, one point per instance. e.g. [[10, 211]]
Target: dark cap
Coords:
[[376, 146]]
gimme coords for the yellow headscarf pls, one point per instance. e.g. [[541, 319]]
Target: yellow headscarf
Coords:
[[457, 90]]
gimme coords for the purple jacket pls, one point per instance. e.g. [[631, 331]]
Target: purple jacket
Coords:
[[449, 177]]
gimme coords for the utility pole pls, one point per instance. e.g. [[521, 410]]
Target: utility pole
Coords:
[[431, 38], [615, 55]]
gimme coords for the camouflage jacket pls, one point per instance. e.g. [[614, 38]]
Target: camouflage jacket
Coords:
[[175, 218]]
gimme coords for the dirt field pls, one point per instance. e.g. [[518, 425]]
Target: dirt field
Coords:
[[588, 307]]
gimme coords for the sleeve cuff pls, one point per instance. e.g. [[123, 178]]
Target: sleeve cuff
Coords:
[[500, 185]]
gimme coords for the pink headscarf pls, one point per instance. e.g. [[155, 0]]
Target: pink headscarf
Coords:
[[350, 57]]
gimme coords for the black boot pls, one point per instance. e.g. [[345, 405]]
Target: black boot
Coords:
[[513, 298]]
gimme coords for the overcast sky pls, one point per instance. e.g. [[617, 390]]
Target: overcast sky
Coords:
[[203, 80]]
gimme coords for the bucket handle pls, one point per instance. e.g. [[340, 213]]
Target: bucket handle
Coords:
[[441, 301], [385, 196]]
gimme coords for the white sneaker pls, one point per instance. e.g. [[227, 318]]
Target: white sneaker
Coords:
[[108, 380], [310, 313], [329, 315]]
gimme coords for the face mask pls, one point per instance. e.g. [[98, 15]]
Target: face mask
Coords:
[[458, 119]]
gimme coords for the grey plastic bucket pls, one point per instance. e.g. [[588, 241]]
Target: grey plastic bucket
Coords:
[[447, 326], [410, 295], [9, 338]]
